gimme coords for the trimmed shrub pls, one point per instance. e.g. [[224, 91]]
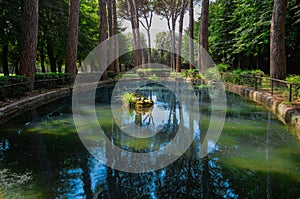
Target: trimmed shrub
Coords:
[[296, 88], [258, 73], [293, 79], [235, 78], [51, 80], [222, 67], [17, 86], [111, 74], [192, 73], [13, 87], [212, 74], [147, 72]]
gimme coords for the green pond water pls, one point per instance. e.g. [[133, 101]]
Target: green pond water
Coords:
[[43, 156]]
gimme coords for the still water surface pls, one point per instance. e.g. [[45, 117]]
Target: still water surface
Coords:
[[41, 155]]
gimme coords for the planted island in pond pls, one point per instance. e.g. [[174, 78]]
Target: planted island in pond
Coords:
[[134, 100]]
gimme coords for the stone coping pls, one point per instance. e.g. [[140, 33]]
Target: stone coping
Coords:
[[17, 108], [14, 109]]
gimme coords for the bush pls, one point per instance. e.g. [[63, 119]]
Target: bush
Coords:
[[13, 86], [154, 78], [258, 73], [222, 67], [17, 86], [147, 72], [128, 99], [253, 73], [212, 74], [199, 76], [192, 73], [129, 75], [293, 79], [51, 80], [235, 78], [111, 74], [296, 88]]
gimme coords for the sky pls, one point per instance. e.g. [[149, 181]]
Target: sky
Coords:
[[159, 24]]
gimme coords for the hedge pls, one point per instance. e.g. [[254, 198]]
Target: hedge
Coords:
[[19, 86], [16, 86], [51, 80]]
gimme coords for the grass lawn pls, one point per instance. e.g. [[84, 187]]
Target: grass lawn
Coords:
[[2, 74]]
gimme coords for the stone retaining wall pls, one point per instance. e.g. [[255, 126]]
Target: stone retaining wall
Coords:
[[17, 108]]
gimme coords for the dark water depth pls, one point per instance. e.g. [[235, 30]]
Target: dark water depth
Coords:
[[42, 156]]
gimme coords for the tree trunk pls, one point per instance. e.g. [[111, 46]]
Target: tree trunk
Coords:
[[203, 35], [5, 59], [103, 34], [277, 40], [52, 59], [16, 67], [131, 13], [136, 36], [109, 18], [137, 29], [170, 36], [102, 20], [115, 34], [178, 57], [59, 66], [110, 33], [191, 38], [173, 38], [72, 38], [42, 56], [149, 46], [147, 28], [29, 39]]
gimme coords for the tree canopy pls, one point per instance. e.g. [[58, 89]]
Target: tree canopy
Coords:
[[238, 32]]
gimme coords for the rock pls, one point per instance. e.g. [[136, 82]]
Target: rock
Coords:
[[143, 102], [133, 100]]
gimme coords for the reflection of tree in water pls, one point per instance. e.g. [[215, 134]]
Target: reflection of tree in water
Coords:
[[163, 94], [4, 146], [188, 177], [68, 170], [164, 97]]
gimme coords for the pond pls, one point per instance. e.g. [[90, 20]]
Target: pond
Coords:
[[43, 156]]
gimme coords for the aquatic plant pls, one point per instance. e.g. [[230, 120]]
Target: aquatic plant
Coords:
[[133, 100], [128, 99]]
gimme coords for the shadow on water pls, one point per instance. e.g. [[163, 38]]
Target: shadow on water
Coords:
[[42, 156]]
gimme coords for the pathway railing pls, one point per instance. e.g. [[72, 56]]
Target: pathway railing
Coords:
[[282, 89], [18, 90], [288, 91]]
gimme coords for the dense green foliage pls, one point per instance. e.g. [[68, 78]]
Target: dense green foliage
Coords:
[[10, 32], [296, 87], [294, 79], [128, 99], [192, 73], [13, 86], [17, 86], [235, 76], [51, 80], [52, 32], [240, 33], [154, 72]]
